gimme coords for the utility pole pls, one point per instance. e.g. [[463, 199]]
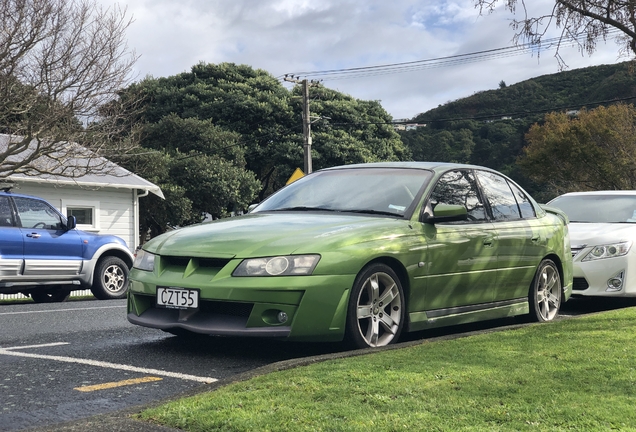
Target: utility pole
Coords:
[[306, 119], [306, 128]]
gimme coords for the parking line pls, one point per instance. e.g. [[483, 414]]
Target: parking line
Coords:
[[38, 346], [146, 371], [63, 310], [110, 385]]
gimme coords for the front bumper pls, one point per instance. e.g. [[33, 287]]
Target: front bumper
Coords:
[[591, 277], [200, 321], [247, 306]]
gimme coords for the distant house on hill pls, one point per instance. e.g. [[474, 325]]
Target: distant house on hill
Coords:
[[104, 203]]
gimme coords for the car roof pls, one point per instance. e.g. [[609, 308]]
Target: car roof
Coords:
[[9, 193], [433, 166]]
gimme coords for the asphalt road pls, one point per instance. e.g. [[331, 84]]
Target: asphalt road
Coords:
[[67, 361]]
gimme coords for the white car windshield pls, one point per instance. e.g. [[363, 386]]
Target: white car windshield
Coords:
[[598, 208], [389, 191]]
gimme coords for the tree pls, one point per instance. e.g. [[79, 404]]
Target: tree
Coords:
[[234, 98], [590, 19], [200, 169], [62, 63], [595, 150]]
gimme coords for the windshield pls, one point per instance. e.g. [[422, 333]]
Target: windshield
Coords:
[[598, 208], [389, 191]]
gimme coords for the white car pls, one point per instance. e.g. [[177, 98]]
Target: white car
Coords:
[[602, 235]]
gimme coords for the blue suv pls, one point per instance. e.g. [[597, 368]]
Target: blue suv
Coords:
[[43, 255]]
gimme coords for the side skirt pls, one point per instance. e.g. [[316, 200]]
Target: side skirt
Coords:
[[467, 314]]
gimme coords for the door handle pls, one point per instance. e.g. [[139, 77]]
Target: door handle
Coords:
[[488, 243], [33, 235]]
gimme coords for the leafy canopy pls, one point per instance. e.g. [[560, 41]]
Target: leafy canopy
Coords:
[[594, 150]]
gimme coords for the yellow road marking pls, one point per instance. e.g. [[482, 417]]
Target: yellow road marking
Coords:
[[116, 384]]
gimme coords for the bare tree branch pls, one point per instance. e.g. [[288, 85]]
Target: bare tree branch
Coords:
[[62, 63], [589, 20]]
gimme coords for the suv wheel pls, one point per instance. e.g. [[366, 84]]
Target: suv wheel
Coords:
[[110, 280]]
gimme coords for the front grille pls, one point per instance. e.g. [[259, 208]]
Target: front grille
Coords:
[[217, 263], [174, 261], [212, 307], [226, 308], [182, 262], [580, 284]]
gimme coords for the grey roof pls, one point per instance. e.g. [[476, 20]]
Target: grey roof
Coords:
[[116, 177]]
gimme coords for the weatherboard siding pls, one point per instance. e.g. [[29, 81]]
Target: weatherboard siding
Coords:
[[114, 207]]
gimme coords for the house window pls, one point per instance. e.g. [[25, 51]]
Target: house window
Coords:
[[84, 215]]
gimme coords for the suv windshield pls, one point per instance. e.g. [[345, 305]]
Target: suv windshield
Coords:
[[390, 191], [598, 208]]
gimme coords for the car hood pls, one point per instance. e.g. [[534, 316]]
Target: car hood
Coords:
[[593, 234], [265, 234]]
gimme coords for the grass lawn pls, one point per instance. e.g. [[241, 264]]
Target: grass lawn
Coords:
[[575, 374]]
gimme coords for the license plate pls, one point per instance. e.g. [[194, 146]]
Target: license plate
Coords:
[[177, 298]]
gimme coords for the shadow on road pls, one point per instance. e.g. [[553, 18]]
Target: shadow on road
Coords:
[[245, 352]]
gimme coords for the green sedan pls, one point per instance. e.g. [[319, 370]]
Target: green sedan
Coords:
[[360, 253]]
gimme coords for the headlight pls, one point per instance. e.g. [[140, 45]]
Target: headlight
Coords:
[[291, 265], [608, 251], [144, 261]]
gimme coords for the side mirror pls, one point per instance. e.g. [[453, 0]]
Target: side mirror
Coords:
[[446, 213], [251, 207], [71, 223]]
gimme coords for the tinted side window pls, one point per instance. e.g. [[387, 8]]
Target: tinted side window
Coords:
[[6, 216], [499, 196], [37, 214], [527, 210], [459, 188]]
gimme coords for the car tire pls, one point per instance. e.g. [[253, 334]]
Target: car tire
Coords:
[[110, 280], [50, 296], [376, 311], [545, 292]]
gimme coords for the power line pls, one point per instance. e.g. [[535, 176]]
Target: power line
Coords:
[[458, 59]]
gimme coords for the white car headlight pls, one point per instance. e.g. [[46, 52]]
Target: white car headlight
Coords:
[[608, 251], [144, 261], [291, 265]]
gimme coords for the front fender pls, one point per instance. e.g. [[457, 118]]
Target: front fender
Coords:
[[88, 268]]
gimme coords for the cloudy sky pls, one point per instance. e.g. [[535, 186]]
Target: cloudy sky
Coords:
[[291, 36]]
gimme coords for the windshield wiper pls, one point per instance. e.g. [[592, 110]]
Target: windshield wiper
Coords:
[[364, 211], [303, 208], [375, 212]]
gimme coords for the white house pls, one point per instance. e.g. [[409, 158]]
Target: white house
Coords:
[[104, 204]]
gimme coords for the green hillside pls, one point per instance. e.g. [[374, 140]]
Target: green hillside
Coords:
[[573, 89]]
